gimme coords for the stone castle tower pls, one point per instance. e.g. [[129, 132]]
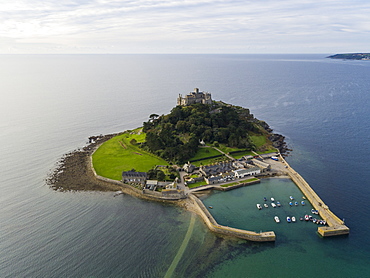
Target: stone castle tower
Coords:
[[194, 97]]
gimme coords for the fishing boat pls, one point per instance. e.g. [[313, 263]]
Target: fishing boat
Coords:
[[266, 205], [293, 219], [306, 217], [303, 203], [273, 205], [291, 197], [272, 199], [288, 219], [259, 206], [277, 220], [278, 204]]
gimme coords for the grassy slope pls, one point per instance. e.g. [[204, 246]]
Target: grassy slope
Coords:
[[205, 152], [118, 154]]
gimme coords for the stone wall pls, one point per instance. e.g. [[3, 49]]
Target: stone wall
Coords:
[[228, 231]]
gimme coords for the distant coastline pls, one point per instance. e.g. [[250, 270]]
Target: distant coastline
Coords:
[[351, 56]]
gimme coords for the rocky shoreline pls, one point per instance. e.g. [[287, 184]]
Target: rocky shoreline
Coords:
[[73, 173]]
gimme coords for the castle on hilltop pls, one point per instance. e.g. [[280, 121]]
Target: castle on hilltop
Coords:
[[194, 97]]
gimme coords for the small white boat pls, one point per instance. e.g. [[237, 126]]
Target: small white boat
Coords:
[[288, 219], [306, 217], [272, 199], [278, 204], [293, 219], [259, 206], [266, 205], [291, 197], [117, 193], [314, 211], [273, 205], [277, 220], [296, 203], [303, 203]]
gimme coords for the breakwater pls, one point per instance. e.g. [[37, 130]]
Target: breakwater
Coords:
[[212, 224], [335, 226]]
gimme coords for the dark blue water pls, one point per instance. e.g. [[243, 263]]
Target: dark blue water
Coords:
[[51, 104]]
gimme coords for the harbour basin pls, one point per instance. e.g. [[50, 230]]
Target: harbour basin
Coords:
[[237, 208]]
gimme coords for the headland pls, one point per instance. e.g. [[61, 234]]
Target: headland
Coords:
[[211, 164], [351, 56]]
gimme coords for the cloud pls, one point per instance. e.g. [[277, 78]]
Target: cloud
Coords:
[[154, 26]]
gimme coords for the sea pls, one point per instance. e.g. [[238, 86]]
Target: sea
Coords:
[[51, 104]]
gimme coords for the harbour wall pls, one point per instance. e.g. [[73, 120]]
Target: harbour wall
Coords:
[[228, 231], [336, 225]]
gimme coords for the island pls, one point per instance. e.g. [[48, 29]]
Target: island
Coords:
[[351, 56], [200, 145]]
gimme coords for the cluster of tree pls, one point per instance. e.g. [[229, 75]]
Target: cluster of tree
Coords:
[[157, 174], [176, 136]]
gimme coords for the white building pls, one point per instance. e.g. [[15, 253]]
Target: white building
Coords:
[[241, 173]]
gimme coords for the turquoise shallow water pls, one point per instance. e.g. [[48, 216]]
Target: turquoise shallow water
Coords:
[[237, 208]]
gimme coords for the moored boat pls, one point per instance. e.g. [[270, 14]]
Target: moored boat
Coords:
[[266, 205], [117, 193], [296, 203], [273, 205], [293, 218], [291, 197], [301, 218], [303, 203], [306, 217], [265, 199], [314, 211], [290, 204], [277, 220], [259, 206], [288, 219], [272, 199], [278, 204]]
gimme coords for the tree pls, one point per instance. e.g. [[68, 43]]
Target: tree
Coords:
[[152, 117], [160, 175]]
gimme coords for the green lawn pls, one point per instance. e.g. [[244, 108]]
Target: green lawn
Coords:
[[205, 152], [258, 140], [226, 149], [197, 184], [119, 154]]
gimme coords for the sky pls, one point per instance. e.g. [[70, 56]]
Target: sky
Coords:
[[184, 26]]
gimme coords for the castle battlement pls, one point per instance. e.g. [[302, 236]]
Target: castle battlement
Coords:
[[194, 97]]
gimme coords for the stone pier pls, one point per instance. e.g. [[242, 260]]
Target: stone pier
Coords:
[[335, 224]]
